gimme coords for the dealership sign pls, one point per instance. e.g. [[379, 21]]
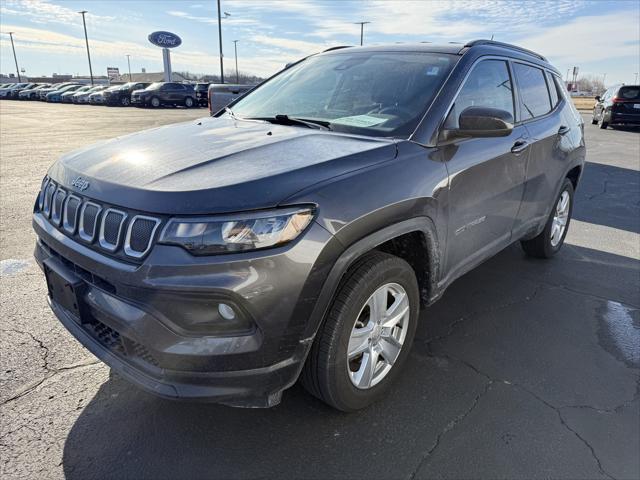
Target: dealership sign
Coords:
[[165, 39]]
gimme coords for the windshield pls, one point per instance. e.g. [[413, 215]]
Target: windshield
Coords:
[[154, 86], [370, 93]]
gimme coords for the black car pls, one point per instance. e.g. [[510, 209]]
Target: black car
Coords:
[[122, 95], [619, 105], [202, 94], [165, 93], [298, 233]]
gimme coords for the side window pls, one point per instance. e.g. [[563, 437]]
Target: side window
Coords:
[[553, 90], [488, 85], [534, 96]]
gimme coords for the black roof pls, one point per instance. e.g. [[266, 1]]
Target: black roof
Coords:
[[452, 48]]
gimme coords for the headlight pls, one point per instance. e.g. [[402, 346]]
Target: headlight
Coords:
[[236, 233]]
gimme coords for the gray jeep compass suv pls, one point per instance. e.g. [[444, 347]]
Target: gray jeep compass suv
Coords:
[[297, 233]]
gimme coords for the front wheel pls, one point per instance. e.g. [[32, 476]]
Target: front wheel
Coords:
[[154, 102], [361, 347], [125, 101], [188, 102], [550, 241]]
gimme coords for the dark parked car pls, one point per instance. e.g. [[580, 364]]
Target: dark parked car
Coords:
[[619, 105], [161, 93], [298, 233], [121, 95], [222, 94], [14, 93], [202, 93], [32, 93]]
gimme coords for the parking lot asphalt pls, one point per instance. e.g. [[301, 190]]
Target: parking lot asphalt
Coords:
[[524, 369]]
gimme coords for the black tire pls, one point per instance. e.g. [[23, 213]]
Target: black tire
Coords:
[[541, 246], [594, 120], [154, 102], [125, 101], [325, 374], [189, 102]]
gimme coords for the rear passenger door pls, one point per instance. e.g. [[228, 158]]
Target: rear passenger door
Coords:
[[486, 175], [551, 130]]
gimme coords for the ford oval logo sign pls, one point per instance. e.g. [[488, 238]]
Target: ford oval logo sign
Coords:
[[165, 39]]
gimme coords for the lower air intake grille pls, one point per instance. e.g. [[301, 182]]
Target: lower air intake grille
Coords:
[[107, 336]]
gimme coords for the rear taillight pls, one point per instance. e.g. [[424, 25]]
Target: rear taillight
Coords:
[[617, 100]]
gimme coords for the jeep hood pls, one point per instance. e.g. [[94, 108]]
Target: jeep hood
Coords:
[[215, 165]]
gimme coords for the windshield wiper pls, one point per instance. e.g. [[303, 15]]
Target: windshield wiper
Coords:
[[287, 120]]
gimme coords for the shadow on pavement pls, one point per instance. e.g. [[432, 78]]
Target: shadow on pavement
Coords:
[[609, 196], [125, 433]]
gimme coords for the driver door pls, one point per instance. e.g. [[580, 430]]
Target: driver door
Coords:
[[486, 175]]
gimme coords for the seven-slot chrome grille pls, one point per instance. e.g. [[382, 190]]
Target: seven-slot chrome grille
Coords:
[[106, 228]]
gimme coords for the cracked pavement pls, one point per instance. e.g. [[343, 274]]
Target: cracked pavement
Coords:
[[524, 369]]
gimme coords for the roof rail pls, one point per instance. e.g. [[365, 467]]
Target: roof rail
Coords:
[[338, 47], [504, 45]]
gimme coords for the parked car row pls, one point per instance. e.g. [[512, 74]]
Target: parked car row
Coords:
[[139, 94]]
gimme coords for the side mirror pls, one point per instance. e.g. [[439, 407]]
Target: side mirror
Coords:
[[485, 122], [598, 98], [482, 122]]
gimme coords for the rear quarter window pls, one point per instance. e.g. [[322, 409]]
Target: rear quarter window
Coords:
[[534, 95]]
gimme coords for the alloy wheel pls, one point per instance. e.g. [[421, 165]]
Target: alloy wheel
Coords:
[[560, 219], [378, 335]]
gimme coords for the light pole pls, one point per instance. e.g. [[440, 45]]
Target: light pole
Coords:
[[604, 77], [14, 57], [362, 24], [235, 47], [129, 64], [636, 82], [220, 41], [86, 39]]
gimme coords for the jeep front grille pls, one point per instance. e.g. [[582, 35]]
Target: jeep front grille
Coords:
[[113, 230]]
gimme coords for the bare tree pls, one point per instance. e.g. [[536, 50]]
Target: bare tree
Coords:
[[591, 83]]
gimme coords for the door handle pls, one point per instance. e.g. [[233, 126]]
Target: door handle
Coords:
[[520, 146], [563, 130]]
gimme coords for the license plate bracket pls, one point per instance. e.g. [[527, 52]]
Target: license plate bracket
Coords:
[[65, 288]]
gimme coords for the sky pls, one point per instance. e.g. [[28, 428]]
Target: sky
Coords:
[[599, 36]]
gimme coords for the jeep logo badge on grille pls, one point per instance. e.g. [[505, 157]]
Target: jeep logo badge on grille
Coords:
[[80, 183]]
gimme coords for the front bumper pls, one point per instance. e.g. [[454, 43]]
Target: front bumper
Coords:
[[128, 303]]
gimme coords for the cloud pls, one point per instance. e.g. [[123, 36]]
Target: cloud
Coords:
[[581, 39], [213, 20], [43, 11]]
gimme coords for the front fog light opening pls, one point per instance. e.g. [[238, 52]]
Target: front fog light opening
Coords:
[[226, 312]]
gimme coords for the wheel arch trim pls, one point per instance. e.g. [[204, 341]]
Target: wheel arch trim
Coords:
[[356, 250]]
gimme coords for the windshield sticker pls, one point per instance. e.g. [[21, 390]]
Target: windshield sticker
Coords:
[[359, 121], [432, 71]]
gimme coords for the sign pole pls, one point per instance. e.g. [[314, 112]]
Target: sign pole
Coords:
[[166, 60]]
